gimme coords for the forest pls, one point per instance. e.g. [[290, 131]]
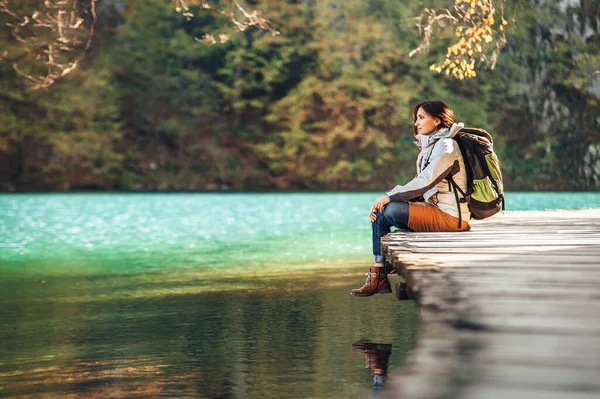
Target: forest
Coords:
[[324, 105]]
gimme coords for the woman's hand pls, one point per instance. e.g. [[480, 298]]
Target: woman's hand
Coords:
[[378, 206]]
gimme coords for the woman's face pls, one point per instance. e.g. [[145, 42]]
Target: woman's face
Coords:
[[425, 123]]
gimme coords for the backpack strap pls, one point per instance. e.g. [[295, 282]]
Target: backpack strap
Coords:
[[468, 167], [456, 189]]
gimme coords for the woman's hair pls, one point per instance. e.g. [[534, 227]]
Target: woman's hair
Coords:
[[437, 109]]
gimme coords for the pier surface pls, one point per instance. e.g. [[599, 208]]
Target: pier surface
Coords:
[[510, 309]]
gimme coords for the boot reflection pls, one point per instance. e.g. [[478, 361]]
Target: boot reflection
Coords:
[[376, 360]]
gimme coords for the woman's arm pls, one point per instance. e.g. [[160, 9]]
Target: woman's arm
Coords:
[[443, 160]]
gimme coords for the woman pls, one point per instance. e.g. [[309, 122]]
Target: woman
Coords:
[[428, 202]]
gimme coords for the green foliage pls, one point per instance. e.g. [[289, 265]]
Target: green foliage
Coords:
[[337, 128], [324, 105], [550, 121], [64, 137]]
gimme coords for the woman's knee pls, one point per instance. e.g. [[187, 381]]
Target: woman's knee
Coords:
[[396, 213], [379, 216]]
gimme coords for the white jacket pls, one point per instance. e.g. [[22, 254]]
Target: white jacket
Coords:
[[439, 156]]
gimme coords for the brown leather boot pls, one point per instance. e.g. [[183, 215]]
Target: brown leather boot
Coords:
[[377, 283]]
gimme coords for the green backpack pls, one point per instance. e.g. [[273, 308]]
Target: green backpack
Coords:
[[485, 190]]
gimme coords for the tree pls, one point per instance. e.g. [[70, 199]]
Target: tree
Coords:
[[337, 127], [548, 87], [54, 35], [50, 39], [323, 105]]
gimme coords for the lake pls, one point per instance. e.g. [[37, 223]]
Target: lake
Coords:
[[198, 295]]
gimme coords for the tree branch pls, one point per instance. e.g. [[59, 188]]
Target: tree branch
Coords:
[[479, 26], [57, 35], [52, 36]]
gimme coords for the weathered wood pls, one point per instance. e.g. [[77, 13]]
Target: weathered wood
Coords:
[[508, 309]]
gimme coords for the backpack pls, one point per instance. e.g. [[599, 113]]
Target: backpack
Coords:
[[485, 190]]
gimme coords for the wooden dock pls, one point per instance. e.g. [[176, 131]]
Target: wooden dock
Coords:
[[509, 310]]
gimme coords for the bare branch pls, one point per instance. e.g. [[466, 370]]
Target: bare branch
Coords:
[[242, 20], [57, 37], [426, 31]]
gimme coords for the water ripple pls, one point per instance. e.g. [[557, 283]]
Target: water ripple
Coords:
[[223, 228]]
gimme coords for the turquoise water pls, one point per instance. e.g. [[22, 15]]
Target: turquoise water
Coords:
[[197, 295], [186, 230], [203, 230]]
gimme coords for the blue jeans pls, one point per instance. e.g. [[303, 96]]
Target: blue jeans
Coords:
[[393, 214]]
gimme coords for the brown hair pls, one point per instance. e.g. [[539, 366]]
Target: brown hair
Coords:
[[437, 109]]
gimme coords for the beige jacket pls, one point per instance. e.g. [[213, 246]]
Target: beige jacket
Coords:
[[439, 156]]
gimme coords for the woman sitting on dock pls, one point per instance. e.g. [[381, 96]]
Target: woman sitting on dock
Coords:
[[427, 202]]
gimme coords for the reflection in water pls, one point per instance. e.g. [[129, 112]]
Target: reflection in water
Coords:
[[290, 339], [188, 295], [377, 357]]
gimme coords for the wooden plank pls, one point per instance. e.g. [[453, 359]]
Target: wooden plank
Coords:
[[464, 259], [503, 392], [519, 317], [556, 377], [542, 325]]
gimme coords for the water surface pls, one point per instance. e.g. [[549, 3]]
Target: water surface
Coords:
[[197, 295], [287, 340]]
